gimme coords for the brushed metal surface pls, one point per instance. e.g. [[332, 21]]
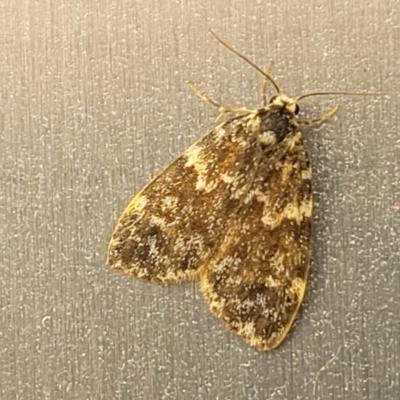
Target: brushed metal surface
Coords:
[[94, 102]]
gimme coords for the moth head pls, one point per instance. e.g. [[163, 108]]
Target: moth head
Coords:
[[282, 101]]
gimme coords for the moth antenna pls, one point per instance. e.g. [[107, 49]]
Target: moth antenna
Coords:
[[247, 60], [341, 93]]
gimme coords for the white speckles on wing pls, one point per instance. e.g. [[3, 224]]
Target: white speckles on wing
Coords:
[[223, 265], [294, 212], [169, 203], [152, 244], [306, 174], [138, 204], [220, 131], [248, 329], [200, 165], [227, 177], [299, 286], [158, 221]]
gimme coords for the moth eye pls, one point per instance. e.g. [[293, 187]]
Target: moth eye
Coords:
[[296, 110]]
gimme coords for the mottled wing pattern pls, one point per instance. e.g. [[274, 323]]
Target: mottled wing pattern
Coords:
[[234, 210], [256, 280], [173, 226]]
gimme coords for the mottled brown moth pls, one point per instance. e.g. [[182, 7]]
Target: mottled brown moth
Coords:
[[233, 211]]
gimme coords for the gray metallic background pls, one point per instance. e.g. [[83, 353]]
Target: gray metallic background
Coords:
[[94, 102]]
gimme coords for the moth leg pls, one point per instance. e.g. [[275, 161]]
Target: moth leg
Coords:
[[264, 100], [226, 110], [221, 109], [203, 97], [307, 122]]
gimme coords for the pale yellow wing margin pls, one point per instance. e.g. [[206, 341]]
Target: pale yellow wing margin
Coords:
[[256, 280], [177, 221]]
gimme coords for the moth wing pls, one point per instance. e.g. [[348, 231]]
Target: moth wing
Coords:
[[256, 280], [174, 224]]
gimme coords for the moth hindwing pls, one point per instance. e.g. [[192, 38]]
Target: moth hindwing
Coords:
[[233, 211]]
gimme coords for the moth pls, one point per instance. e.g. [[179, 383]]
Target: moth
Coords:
[[234, 212]]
